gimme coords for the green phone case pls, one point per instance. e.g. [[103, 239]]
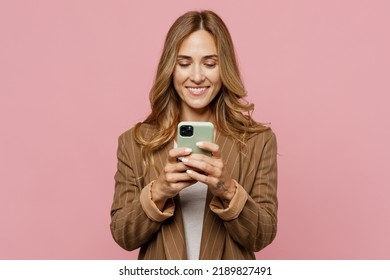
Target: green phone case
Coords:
[[202, 131]]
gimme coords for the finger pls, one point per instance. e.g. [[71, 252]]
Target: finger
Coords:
[[211, 147], [208, 180], [173, 154], [175, 188], [173, 178], [201, 161], [202, 166], [175, 167]]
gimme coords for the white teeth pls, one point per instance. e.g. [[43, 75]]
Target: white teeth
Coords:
[[197, 90]]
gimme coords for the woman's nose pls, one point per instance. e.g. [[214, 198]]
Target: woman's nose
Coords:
[[197, 75]]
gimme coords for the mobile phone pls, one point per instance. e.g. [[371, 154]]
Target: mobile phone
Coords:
[[189, 133]]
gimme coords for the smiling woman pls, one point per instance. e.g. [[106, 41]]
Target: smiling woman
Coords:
[[196, 77], [176, 204]]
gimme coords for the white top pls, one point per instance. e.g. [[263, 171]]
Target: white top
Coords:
[[192, 201]]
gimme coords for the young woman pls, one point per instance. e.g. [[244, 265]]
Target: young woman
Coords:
[[198, 207]]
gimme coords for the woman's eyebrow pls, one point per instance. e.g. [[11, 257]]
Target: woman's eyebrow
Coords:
[[181, 56], [211, 56]]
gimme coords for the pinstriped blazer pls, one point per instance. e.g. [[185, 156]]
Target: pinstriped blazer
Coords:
[[246, 226]]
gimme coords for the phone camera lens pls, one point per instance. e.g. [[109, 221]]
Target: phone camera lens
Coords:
[[186, 130]]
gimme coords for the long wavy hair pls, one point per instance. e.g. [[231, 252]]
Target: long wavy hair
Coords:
[[232, 113]]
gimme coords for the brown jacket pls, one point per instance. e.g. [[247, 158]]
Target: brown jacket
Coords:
[[246, 226]]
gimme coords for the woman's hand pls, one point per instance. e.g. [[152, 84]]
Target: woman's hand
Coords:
[[172, 179], [215, 176]]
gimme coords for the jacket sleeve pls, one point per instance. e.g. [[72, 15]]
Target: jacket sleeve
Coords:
[[251, 217], [134, 217]]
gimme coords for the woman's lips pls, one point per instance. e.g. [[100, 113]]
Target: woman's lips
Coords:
[[197, 91]]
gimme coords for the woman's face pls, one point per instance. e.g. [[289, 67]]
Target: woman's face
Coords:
[[196, 76]]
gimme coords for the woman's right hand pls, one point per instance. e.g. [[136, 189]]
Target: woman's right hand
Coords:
[[172, 179]]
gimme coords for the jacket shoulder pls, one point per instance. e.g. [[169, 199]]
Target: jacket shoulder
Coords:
[[145, 130], [266, 135]]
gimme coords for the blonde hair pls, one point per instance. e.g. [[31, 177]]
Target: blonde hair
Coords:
[[232, 114]]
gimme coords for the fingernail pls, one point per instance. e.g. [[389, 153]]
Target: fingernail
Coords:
[[188, 150], [199, 143], [189, 171], [184, 159]]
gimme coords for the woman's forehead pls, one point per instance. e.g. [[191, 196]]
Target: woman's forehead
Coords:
[[198, 43]]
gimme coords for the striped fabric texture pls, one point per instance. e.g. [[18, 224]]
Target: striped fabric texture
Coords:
[[248, 225]]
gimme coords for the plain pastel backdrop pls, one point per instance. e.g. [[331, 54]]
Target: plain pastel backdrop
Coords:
[[75, 74]]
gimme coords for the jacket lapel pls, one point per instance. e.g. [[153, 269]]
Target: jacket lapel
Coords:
[[214, 233], [173, 235], [172, 230]]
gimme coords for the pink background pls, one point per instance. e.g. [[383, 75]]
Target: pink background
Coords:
[[75, 74]]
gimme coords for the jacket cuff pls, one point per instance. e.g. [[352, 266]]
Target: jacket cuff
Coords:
[[235, 206], [150, 208]]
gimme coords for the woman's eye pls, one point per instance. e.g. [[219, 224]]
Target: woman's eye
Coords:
[[183, 64], [210, 63]]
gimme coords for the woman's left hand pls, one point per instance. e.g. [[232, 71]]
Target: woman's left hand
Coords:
[[215, 174]]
